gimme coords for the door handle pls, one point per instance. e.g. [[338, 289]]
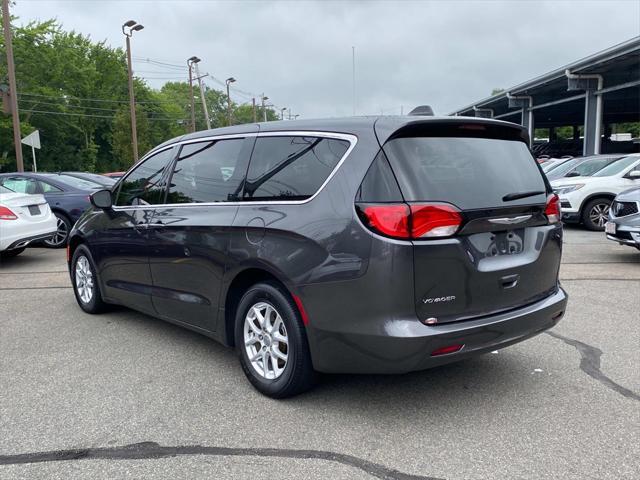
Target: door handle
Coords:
[[509, 281]]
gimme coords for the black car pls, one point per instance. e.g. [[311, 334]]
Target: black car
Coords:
[[361, 245], [93, 177], [67, 196]]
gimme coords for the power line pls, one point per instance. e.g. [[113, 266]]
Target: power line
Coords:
[[111, 117], [99, 100], [39, 102]]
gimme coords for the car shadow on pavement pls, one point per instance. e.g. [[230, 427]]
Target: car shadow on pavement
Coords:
[[445, 385]]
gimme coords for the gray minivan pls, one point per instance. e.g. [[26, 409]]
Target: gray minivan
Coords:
[[357, 245]]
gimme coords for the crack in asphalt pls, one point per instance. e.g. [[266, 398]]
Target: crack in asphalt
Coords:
[[152, 450], [590, 364]]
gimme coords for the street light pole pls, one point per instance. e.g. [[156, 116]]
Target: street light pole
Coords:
[[127, 29], [264, 107], [253, 104], [229, 81], [282, 113], [190, 63], [13, 90]]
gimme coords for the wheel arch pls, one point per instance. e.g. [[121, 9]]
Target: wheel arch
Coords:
[[587, 199], [241, 281], [73, 243]]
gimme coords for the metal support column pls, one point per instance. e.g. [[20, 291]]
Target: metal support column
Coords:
[[526, 103], [591, 84]]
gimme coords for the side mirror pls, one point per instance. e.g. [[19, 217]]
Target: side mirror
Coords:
[[634, 174], [101, 199], [572, 174]]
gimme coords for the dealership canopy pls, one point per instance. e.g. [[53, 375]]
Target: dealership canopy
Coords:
[[594, 93]]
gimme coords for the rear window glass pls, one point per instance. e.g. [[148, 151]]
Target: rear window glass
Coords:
[[467, 172], [76, 182]]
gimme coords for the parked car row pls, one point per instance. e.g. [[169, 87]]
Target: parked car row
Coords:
[[587, 186], [30, 202]]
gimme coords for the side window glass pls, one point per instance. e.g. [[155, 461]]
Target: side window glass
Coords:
[[379, 184], [48, 188], [21, 185], [291, 168], [145, 184], [208, 172]]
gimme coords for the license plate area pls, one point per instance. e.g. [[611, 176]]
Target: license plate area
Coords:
[[610, 228], [493, 244], [34, 210]]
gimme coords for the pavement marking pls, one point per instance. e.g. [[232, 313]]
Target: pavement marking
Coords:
[[152, 450], [599, 279], [590, 364], [32, 288]]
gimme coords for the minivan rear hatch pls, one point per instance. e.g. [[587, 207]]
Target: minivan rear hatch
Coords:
[[484, 231]]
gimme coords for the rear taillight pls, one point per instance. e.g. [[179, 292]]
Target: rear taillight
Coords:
[[434, 220], [6, 214], [390, 219], [552, 210], [415, 221]]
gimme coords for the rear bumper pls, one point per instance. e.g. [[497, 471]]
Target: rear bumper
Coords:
[[406, 345], [626, 235], [21, 235]]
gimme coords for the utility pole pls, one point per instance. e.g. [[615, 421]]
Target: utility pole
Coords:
[[128, 28], [13, 89], [253, 104], [264, 107], [229, 81], [204, 101], [190, 63]]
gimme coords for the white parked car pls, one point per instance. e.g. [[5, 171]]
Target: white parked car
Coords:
[[23, 219], [587, 199]]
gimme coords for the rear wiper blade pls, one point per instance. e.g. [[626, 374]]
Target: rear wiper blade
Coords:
[[518, 195]]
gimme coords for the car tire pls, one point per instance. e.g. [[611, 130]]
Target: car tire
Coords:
[[264, 342], [12, 253], [59, 239], [84, 278], [595, 213]]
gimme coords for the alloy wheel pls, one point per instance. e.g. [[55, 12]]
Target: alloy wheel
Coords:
[[599, 214], [266, 341], [60, 236], [84, 279]]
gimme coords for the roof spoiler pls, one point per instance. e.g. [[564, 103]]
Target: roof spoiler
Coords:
[[422, 110]]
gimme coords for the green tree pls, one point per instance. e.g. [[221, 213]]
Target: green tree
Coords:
[[74, 91]]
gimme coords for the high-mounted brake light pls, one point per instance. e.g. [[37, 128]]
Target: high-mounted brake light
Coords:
[[552, 210], [415, 221], [6, 214]]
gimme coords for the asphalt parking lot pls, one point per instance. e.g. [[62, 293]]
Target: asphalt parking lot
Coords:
[[122, 395]]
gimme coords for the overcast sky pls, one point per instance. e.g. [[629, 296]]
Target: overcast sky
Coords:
[[443, 53]]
